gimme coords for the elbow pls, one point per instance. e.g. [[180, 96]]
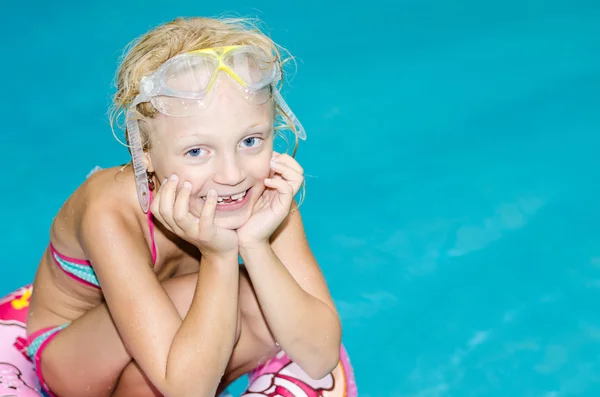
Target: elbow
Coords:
[[177, 391], [326, 363], [328, 356], [319, 356], [184, 388]]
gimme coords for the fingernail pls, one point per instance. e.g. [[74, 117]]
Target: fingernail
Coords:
[[187, 185], [165, 181], [212, 193], [273, 162], [173, 177]]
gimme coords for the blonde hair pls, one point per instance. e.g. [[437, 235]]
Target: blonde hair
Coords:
[[146, 53]]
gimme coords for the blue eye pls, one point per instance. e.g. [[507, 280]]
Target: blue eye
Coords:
[[197, 152], [251, 141]]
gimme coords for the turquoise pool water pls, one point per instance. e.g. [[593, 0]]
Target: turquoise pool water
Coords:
[[453, 197]]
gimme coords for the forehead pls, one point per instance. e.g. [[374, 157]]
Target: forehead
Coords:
[[226, 111]]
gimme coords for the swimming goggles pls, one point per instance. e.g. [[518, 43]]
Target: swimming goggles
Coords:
[[180, 88]]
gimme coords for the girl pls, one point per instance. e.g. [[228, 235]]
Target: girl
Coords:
[[140, 291]]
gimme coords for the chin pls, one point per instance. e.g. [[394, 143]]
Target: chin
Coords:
[[232, 222]]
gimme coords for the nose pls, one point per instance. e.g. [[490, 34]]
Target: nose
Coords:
[[229, 171]]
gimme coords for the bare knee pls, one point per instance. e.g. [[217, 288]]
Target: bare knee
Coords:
[[181, 290], [118, 372]]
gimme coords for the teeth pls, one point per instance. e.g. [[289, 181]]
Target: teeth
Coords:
[[235, 197], [238, 196]]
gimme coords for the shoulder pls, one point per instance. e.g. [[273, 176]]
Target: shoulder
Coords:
[[111, 218], [105, 197], [114, 182], [110, 193], [104, 205]]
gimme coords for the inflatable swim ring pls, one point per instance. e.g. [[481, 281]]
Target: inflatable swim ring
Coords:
[[279, 377]]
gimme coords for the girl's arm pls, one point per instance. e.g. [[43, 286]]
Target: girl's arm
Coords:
[[180, 357], [294, 297]]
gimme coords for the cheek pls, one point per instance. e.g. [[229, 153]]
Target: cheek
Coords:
[[197, 177], [162, 161], [261, 169]]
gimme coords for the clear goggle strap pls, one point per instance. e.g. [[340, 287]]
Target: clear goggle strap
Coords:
[[286, 109], [139, 167]]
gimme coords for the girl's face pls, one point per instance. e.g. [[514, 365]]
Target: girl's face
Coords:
[[227, 147]]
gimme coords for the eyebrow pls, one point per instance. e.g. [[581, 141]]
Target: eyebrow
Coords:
[[265, 128], [255, 125], [260, 124]]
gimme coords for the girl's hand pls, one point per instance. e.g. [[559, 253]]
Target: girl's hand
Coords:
[[171, 207], [274, 204]]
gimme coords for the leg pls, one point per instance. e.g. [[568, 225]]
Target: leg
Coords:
[[88, 357], [255, 345]]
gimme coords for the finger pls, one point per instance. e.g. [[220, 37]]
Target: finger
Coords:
[[181, 209], [207, 215], [289, 161], [283, 188], [289, 174], [264, 198], [284, 196], [168, 195]]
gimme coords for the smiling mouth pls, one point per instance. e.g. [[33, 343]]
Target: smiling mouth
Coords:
[[234, 198]]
